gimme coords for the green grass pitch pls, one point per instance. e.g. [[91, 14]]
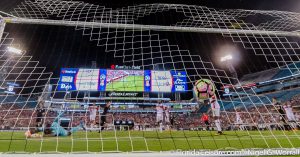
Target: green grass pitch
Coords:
[[126, 84], [128, 141]]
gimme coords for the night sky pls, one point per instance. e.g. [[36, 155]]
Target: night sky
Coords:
[[56, 46]]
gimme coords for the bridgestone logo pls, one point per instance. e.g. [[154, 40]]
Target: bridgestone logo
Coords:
[[115, 94]]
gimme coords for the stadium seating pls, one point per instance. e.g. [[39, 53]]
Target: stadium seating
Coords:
[[287, 70], [259, 100]]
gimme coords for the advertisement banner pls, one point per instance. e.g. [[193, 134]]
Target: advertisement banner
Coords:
[[147, 82], [122, 80], [102, 80], [87, 80], [179, 81], [161, 81], [67, 79]]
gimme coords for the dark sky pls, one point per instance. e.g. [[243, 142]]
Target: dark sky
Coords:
[[56, 46]]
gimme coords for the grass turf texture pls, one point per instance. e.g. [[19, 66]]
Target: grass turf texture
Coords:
[[156, 141], [127, 84]]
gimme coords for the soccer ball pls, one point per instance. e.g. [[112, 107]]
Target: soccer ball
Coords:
[[203, 89], [28, 134]]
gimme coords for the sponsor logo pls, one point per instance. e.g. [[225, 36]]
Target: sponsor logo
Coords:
[[102, 76], [68, 71], [147, 77], [179, 82], [226, 90], [116, 94], [127, 67], [179, 74], [179, 87], [10, 88], [147, 83], [67, 79], [102, 83], [66, 86]]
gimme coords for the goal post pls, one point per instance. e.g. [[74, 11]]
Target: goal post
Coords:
[[2, 26], [86, 24]]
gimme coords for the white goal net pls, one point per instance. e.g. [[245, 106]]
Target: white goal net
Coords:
[[259, 100]]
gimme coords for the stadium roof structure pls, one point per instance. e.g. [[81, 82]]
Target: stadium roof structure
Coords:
[[274, 74]]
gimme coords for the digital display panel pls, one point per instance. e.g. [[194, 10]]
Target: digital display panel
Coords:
[[122, 80], [161, 81], [87, 79], [125, 80]]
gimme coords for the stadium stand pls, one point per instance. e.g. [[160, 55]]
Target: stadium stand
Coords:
[[183, 119]]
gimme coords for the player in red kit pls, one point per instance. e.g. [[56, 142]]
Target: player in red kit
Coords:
[[204, 119]]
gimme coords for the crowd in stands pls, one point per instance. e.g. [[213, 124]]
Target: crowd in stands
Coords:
[[13, 116]]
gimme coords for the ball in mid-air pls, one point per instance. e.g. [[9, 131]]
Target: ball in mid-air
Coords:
[[204, 89]]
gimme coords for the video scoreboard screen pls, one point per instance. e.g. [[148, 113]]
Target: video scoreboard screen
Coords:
[[122, 80]]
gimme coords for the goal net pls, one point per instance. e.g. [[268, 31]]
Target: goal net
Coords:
[[251, 56]]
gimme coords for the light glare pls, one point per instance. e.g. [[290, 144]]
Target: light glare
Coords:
[[226, 58], [14, 50]]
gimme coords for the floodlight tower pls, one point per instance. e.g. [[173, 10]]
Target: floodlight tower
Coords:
[[11, 52], [228, 62]]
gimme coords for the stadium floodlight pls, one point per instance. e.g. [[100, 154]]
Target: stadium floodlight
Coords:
[[226, 58], [230, 67], [14, 50]]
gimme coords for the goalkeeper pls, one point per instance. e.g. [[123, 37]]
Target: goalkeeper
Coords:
[[55, 129]]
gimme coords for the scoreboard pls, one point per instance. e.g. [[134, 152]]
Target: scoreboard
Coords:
[[122, 80]]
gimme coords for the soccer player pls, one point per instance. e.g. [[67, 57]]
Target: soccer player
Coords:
[[103, 115], [239, 120], [32, 133], [40, 112], [289, 114], [281, 112], [215, 108], [93, 113], [204, 119], [166, 116], [159, 115], [53, 129], [289, 111]]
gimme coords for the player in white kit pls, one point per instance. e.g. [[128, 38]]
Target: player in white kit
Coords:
[[93, 113], [159, 114], [289, 111], [166, 118], [215, 108], [239, 120], [289, 114]]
